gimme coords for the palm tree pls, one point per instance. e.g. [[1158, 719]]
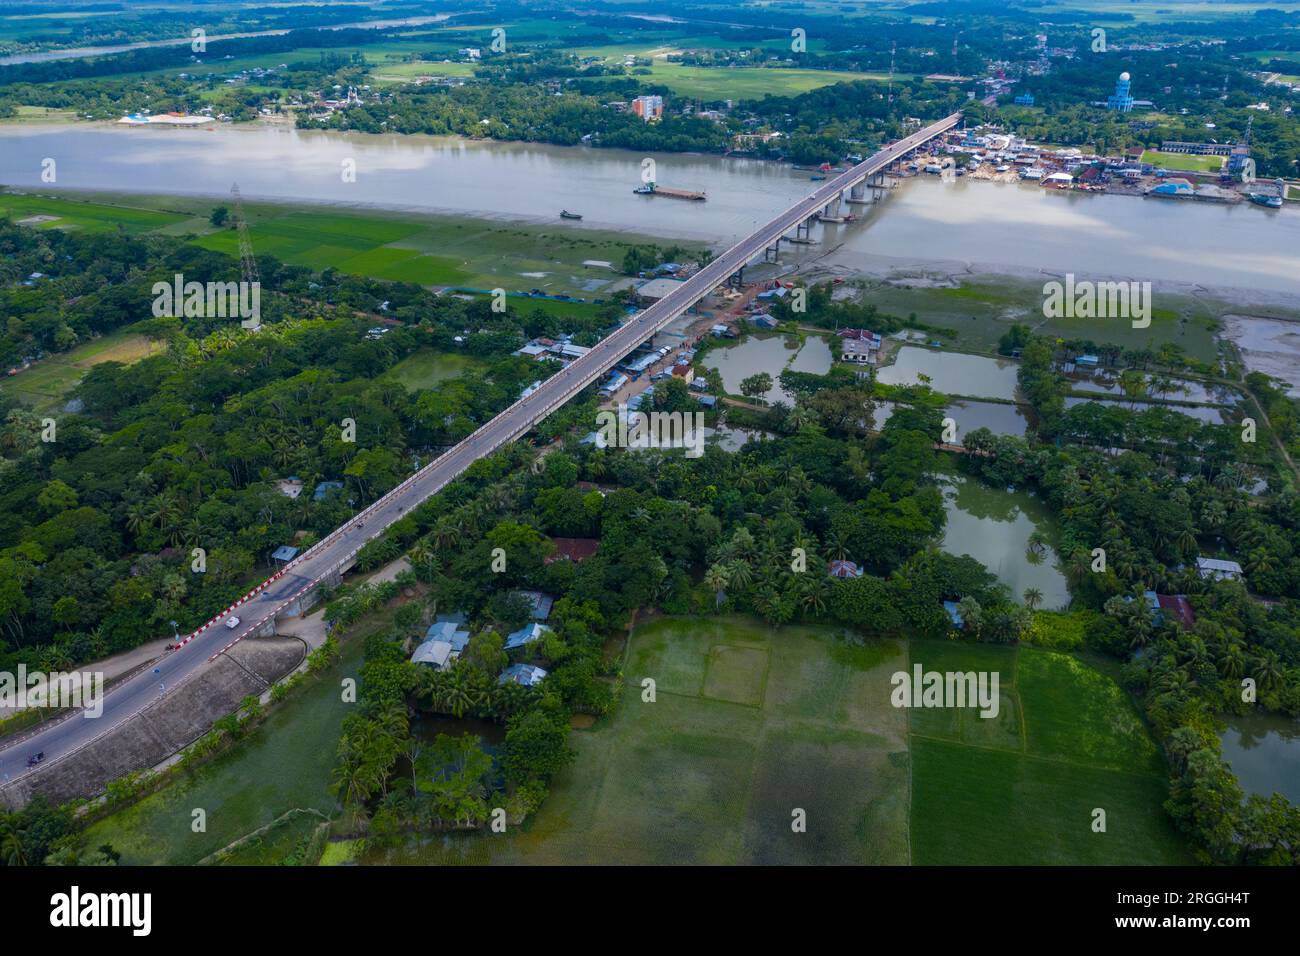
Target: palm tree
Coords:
[[837, 543], [460, 693], [812, 590], [11, 844], [1033, 598], [1267, 670], [715, 579], [740, 574], [1233, 662]]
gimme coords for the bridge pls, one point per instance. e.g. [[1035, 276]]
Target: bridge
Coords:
[[294, 587]]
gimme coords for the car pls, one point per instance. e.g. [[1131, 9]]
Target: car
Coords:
[[232, 622], [36, 758]]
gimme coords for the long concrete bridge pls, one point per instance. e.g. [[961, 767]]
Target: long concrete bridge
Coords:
[[294, 587]]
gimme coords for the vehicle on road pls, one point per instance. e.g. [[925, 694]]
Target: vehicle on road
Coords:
[[36, 758], [232, 622]]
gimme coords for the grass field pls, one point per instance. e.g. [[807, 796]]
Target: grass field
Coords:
[[1183, 161], [747, 83], [1022, 788], [430, 250], [44, 386], [285, 764], [427, 368], [85, 216], [751, 723]]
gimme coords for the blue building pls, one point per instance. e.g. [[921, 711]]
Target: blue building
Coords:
[[526, 635], [1122, 99], [1025, 99]]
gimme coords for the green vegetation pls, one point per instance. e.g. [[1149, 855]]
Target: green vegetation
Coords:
[[379, 245], [1183, 161], [1021, 788], [43, 386], [748, 722], [275, 770]]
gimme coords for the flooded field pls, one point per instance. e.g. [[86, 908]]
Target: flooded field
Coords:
[[1171, 389], [952, 372], [993, 526], [1264, 752], [773, 355], [1271, 346], [1203, 413]]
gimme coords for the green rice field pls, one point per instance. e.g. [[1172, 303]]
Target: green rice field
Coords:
[[751, 724], [436, 251], [48, 382]]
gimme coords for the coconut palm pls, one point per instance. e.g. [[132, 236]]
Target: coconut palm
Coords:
[[716, 579], [740, 574], [1033, 597]]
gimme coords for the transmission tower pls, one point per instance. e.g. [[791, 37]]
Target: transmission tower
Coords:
[[893, 48], [247, 261]]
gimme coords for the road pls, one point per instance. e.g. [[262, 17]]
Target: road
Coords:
[[338, 548]]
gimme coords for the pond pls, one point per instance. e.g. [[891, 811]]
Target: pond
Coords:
[[772, 354], [993, 527], [428, 726], [953, 373], [998, 418], [1183, 389], [1264, 752]]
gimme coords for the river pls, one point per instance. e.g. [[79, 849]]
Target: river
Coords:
[[925, 223]]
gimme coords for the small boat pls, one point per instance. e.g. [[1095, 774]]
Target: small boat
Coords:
[[1272, 202], [565, 214], [644, 190], [816, 179]]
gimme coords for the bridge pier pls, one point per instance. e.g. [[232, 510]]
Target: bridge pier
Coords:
[[831, 211], [772, 253], [737, 278]]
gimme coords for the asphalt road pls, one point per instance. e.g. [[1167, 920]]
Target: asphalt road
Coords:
[[130, 697]]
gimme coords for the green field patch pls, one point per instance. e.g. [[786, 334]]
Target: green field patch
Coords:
[[1076, 712], [691, 779], [1186, 162], [46, 384], [990, 807], [88, 217], [736, 674], [427, 367], [849, 789], [285, 764]]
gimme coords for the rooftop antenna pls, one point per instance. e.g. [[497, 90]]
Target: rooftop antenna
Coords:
[[247, 261]]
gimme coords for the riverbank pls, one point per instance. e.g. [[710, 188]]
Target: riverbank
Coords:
[[926, 225]]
